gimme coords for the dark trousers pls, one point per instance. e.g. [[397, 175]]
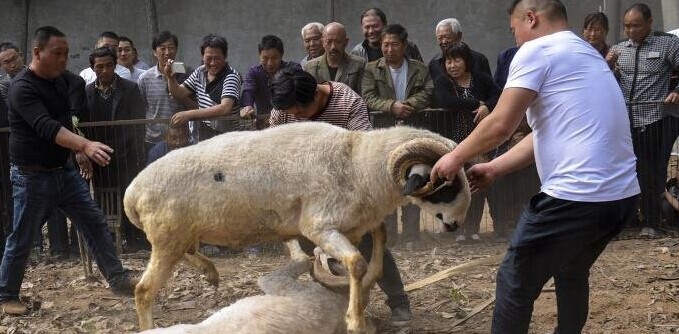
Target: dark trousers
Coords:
[[561, 239], [119, 174], [508, 195], [57, 232], [670, 215], [472, 222], [410, 218], [390, 282], [652, 147]]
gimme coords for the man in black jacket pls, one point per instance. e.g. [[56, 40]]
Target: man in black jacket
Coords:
[[112, 98], [4, 207]]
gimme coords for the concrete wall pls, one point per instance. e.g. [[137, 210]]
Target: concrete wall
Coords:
[[485, 23]]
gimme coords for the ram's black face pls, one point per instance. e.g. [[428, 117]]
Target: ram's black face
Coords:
[[449, 227], [448, 202], [447, 194]]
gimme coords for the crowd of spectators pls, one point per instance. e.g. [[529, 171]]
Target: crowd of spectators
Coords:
[[386, 69], [384, 74]]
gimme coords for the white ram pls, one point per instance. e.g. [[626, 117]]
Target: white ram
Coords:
[[313, 179]]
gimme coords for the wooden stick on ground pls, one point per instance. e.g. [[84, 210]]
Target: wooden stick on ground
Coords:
[[493, 260], [478, 308]]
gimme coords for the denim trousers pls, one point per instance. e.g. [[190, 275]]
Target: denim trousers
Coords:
[[36, 195], [561, 239]]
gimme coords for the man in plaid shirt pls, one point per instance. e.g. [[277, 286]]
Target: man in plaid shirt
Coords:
[[643, 65]]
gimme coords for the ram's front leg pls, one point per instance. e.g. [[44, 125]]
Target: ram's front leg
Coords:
[[338, 246]]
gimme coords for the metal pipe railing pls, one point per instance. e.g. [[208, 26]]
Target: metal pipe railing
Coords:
[[157, 120]]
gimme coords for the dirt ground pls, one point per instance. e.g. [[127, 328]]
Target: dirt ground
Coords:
[[634, 289]]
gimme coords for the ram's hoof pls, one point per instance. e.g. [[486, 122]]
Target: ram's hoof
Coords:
[[213, 279], [357, 327]]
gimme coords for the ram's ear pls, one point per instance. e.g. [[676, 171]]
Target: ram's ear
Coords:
[[414, 182]]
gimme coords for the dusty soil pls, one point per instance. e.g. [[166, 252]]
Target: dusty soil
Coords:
[[634, 289]]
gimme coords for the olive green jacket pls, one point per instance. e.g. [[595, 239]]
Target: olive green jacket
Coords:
[[378, 88], [349, 72]]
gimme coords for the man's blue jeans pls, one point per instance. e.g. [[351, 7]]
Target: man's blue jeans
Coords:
[[561, 239], [36, 196]]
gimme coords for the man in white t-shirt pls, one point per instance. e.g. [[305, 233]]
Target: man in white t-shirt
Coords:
[[582, 146]]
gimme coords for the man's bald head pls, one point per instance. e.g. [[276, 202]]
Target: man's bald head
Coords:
[[552, 10], [334, 41], [335, 28]]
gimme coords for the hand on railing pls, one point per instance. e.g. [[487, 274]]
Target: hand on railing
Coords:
[[480, 113], [401, 109], [181, 117], [98, 152], [673, 98], [85, 165], [247, 112]]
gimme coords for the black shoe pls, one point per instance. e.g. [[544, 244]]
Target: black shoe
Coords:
[[126, 286], [59, 255], [400, 315]]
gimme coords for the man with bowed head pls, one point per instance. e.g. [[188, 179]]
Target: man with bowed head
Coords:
[[584, 157], [297, 97]]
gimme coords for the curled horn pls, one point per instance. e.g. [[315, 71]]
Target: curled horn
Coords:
[[417, 151], [322, 274]]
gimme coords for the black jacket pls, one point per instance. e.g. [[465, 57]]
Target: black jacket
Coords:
[[483, 88], [3, 112], [457, 118], [126, 140]]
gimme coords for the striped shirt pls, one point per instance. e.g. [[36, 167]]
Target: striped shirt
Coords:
[[344, 108], [211, 96], [644, 75], [159, 103]]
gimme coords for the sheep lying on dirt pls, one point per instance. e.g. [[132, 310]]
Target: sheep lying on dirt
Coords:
[[312, 179], [289, 306]]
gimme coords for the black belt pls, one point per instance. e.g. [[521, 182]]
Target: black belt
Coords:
[[37, 168]]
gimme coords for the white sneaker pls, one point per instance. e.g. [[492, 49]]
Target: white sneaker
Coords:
[[649, 232], [460, 238], [475, 237]]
